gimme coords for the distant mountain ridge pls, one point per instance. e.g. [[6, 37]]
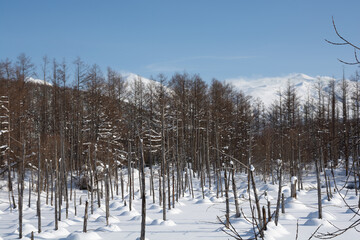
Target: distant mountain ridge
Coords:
[[37, 81], [267, 88], [264, 88]]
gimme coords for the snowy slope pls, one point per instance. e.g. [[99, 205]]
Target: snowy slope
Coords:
[[131, 78], [267, 88], [38, 81]]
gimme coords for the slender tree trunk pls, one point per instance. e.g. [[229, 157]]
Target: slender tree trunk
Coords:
[[318, 189], [107, 197], [47, 181], [130, 177], [257, 203], [21, 192], [30, 186], [122, 184], [235, 192], [143, 197], [74, 199], [227, 214], [39, 191], [56, 184], [279, 195], [163, 170], [85, 217]]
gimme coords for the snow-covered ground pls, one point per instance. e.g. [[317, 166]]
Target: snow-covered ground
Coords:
[[192, 218]]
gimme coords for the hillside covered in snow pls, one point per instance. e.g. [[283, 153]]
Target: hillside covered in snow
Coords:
[[267, 89]]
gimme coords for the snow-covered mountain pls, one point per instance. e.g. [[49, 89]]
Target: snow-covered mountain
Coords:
[[267, 88], [38, 81], [131, 78]]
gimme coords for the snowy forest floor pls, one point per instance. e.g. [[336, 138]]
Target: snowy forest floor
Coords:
[[192, 218]]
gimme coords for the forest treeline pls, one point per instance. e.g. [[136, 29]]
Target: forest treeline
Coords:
[[86, 113]]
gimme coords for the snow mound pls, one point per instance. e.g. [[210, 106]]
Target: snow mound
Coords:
[[110, 228], [168, 223], [267, 197], [61, 232], [325, 215], [94, 216], [351, 210], [181, 204], [317, 222], [216, 200], [28, 210], [138, 218], [28, 228], [61, 224], [286, 191], [301, 193], [336, 201], [352, 198], [274, 232], [200, 196], [239, 221], [175, 211], [295, 204], [287, 216], [156, 222], [69, 222], [130, 213], [112, 219], [83, 236], [121, 208], [70, 210], [116, 205], [77, 219], [154, 207], [204, 201]]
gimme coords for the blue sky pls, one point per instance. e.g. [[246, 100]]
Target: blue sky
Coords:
[[217, 39]]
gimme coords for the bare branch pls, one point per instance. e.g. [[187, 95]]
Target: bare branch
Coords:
[[335, 43], [348, 63], [344, 42], [342, 38]]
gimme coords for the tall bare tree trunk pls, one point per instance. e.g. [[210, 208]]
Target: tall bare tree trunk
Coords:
[[163, 170], [237, 214], [56, 184], [21, 191], [130, 177], [227, 214], [143, 197], [318, 189], [39, 191], [279, 193]]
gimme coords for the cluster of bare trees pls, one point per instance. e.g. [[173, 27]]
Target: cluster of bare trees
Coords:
[[86, 127]]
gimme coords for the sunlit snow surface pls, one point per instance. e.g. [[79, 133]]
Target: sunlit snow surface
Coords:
[[267, 88], [192, 218]]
